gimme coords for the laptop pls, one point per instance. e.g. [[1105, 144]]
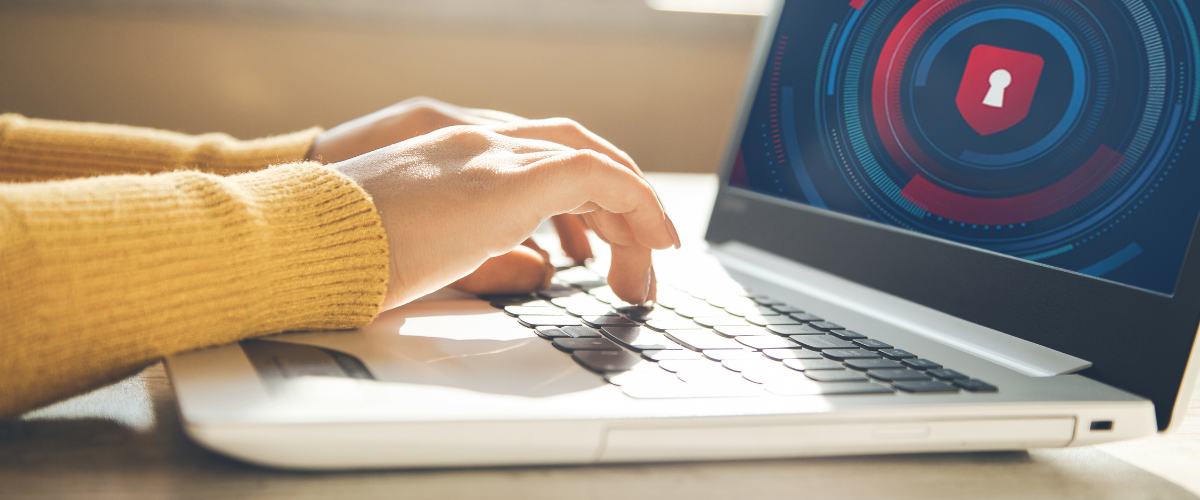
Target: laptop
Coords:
[[942, 225]]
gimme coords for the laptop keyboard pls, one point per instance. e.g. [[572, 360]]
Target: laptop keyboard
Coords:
[[719, 343]]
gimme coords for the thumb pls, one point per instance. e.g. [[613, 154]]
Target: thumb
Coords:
[[521, 270]]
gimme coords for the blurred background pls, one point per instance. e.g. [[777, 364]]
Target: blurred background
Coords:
[[659, 78]]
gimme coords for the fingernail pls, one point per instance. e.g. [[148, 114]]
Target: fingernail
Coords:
[[674, 233], [647, 296]]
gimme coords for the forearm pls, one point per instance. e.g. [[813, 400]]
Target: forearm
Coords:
[[101, 276], [41, 150]]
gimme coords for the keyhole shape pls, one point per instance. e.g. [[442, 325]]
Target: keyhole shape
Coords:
[[999, 81]]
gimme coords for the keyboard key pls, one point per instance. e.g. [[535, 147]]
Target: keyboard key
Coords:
[[822, 342], [712, 321], [681, 302], [576, 300], [835, 375], [740, 365], [818, 388], [767, 342], [607, 320], [674, 365], [794, 330], [753, 309], [802, 365], [731, 301], [594, 309], [671, 299], [874, 364], [897, 375], [605, 295], [730, 354], [581, 332], [607, 361], [786, 354], [587, 286], [668, 354], [585, 344], [555, 291], [639, 338], [663, 325], [805, 317], [826, 325], [873, 344], [768, 301], [643, 376], [739, 331], [922, 386], [699, 340], [975, 385], [550, 332], [767, 373], [703, 310], [844, 354], [532, 321], [547, 310], [946, 374], [770, 320], [896, 354], [711, 373], [502, 301], [787, 309], [577, 274], [921, 364], [847, 334], [646, 313]]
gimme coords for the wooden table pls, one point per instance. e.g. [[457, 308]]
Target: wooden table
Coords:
[[124, 441]]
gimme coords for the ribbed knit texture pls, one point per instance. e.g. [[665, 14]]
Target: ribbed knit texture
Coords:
[[102, 276], [40, 150]]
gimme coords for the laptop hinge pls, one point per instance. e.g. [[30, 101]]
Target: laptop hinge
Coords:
[[1001, 348]]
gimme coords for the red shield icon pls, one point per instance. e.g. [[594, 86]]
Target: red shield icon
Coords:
[[997, 88]]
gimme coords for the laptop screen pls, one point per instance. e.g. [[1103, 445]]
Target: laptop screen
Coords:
[[1055, 131]]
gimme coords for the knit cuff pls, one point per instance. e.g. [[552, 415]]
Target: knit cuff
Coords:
[[328, 249], [40, 150]]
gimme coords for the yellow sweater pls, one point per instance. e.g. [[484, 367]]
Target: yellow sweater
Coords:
[[103, 275]]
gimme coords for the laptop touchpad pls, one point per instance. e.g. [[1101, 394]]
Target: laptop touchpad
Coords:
[[465, 344]]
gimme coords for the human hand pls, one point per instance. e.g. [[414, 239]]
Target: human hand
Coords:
[[399, 122], [454, 198], [522, 269]]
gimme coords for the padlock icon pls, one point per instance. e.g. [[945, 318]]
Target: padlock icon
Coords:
[[997, 88]]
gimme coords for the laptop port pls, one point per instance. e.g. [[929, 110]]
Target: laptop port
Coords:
[[1102, 425]]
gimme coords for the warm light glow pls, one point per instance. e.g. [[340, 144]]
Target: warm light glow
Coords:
[[740, 7]]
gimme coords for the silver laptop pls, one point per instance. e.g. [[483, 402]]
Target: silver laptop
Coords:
[[942, 225]]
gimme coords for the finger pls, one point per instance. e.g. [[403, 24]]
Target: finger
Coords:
[[625, 207], [630, 275], [529, 243], [573, 135], [567, 181], [521, 270], [568, 133], [572, 235]]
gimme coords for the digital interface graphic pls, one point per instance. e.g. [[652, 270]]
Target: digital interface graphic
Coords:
[[1051, 130]]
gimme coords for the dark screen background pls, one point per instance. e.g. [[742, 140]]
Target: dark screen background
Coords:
[[859, 111]]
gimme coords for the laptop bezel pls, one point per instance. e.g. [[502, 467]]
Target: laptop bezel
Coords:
[[1137, 340]]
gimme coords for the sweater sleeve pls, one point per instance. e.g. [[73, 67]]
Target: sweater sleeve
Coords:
[[101, 276], [40, 150]]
